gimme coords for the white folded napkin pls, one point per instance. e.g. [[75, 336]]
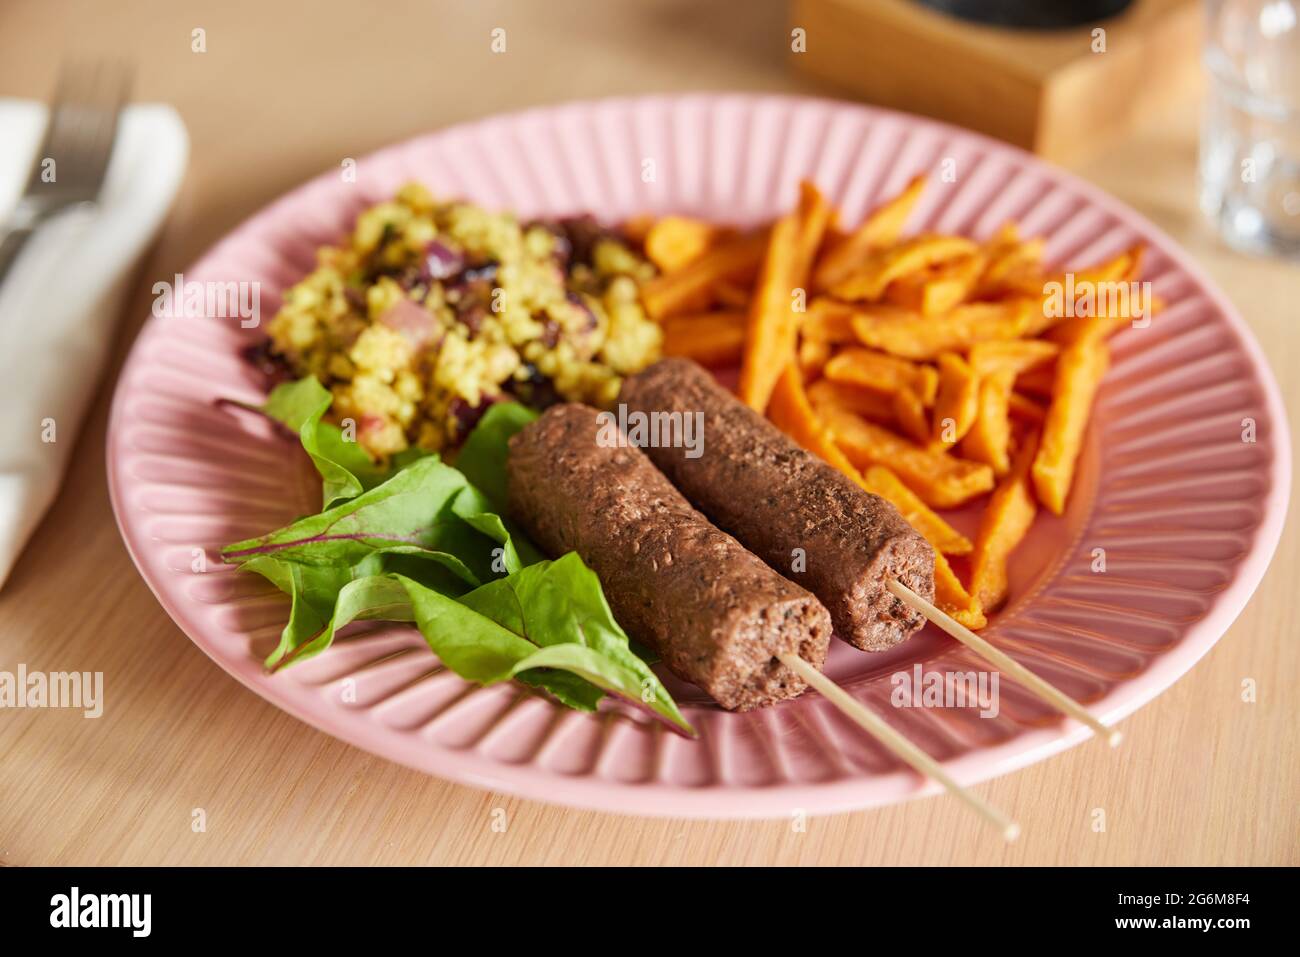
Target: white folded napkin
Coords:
[[59, 305]]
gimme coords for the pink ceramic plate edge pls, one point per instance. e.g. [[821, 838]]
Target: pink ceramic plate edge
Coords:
[[729, 800]]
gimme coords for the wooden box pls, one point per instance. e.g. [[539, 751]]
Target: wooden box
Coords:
[[1064, 94]]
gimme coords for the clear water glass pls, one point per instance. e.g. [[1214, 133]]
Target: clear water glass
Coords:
[[1250, 133]]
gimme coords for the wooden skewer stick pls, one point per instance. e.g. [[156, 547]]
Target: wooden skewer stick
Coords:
[[1052, 695], [874, 725]]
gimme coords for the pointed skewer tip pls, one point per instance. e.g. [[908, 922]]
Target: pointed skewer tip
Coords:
[[1011, 832]]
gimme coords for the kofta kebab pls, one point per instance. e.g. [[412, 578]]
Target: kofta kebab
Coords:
[[697, 553]]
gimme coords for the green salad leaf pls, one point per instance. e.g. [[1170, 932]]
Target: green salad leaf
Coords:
[[345, 468], [412, 513], [559, 605], [374, 598], [476, 511], [483, 456], [417, 540], [482, 460], [314, 591]]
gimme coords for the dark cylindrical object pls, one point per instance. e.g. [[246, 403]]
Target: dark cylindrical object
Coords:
[[1030, 14], [716, 614], [806, 519]]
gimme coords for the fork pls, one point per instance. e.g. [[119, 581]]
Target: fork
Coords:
[[72, 162]]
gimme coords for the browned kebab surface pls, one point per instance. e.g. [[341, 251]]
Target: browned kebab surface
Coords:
[[717, 615], [776, 497]]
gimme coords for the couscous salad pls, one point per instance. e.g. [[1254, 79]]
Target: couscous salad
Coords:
[[431, 311]]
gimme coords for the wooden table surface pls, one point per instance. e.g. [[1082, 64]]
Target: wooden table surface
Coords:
[[288, 89]]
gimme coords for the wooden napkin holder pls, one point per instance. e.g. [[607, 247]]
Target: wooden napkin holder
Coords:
[[1063, 94]]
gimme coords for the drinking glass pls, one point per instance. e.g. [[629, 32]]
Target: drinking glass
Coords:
[[1250, 132]]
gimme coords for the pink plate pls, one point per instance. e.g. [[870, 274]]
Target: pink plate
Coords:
[[1188, 514]]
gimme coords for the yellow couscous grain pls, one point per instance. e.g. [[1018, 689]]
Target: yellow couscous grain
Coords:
[[432, 310]]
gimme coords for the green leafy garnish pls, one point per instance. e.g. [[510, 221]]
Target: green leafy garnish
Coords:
[[560, 606], [412, 513], [417, 540], [314, 590], [345, 468], [483, 456]]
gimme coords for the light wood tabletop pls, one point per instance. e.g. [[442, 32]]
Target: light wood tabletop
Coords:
[[285, 90]]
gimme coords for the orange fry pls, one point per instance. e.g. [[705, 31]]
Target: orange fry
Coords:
[[872, 406], [1003, 525], [792, 413], [677, 241], [869, 281], [879, 229], [1080, 280], [1025, 408], [638, 227], [1113, 316], [883, 373], [731, 294], [957, 404], [831, 325], [1018, 355], [989, 439], [772, 327], [911, 336], [680, 291], [1010, 263], [813, 356], [941, 480], [952, 597], [940, 290], [712, 338], [909, 411], [1072, 330], [1038, 381], [815, 217], [1078, 374], [934, 529]]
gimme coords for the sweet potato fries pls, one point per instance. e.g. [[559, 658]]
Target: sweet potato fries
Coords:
[[935, 370]]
